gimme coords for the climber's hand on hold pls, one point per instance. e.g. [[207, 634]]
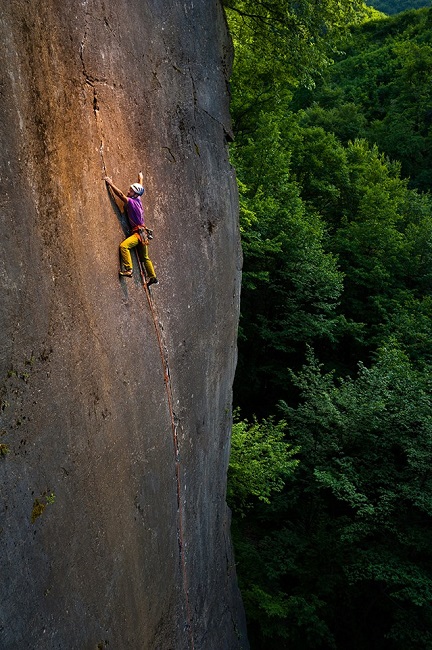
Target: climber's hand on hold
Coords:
[[116, 190]]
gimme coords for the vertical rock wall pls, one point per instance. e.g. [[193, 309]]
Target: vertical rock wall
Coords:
[[115, 404]]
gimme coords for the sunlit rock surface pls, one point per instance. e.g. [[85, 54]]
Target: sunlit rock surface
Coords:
[[116, 406]]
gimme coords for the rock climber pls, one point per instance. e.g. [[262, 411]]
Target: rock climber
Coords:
[[139, 236]]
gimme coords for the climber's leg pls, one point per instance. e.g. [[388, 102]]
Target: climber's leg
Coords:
[[125, 248], [144, 257]]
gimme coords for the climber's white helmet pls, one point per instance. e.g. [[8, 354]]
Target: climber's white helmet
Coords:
[[137, 188]]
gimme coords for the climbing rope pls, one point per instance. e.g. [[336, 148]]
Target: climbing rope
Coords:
[[167, 380]]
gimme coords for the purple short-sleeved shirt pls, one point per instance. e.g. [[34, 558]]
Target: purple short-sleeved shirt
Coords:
[[135, 212]]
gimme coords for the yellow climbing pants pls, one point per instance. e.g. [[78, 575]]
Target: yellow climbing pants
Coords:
[[126, 258]]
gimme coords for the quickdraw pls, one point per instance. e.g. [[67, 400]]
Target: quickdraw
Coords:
[[145, 234]]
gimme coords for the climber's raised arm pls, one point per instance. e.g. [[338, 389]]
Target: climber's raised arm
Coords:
[[115, 189]]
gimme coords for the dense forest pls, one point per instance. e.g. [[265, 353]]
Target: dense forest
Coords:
[[397, 6], [329, 481]]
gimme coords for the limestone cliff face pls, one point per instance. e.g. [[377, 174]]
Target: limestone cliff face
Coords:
[[116, 404]]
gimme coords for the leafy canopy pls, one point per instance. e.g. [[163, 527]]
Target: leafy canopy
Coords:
[[260, 462], [337, 257]]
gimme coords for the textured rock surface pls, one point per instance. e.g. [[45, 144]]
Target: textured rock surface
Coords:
[[116, 409]]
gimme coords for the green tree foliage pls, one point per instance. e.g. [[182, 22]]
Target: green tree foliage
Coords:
[[397, 6], [278, 44], [291, 285], [341, 559], [337, 257], [366, 446], [337, 254], [260, 461], [384, 82], [380, 230]]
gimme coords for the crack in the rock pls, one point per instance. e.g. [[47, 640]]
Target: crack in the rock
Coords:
[[156, 78], [194, 91], [170, 153], [91, 80], [229, 135], [180, 487]]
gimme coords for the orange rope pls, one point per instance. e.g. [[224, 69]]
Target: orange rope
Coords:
[[165, 367]]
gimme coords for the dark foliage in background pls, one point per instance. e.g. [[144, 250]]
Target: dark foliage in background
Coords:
[[330, 486], [397, 6]]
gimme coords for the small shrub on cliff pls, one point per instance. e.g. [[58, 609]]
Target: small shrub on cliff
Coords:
[[4, 449]]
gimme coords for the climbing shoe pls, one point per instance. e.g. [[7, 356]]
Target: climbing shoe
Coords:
[[126, 274], [152, 281]]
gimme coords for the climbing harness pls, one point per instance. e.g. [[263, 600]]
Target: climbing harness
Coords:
[[144, 234]]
